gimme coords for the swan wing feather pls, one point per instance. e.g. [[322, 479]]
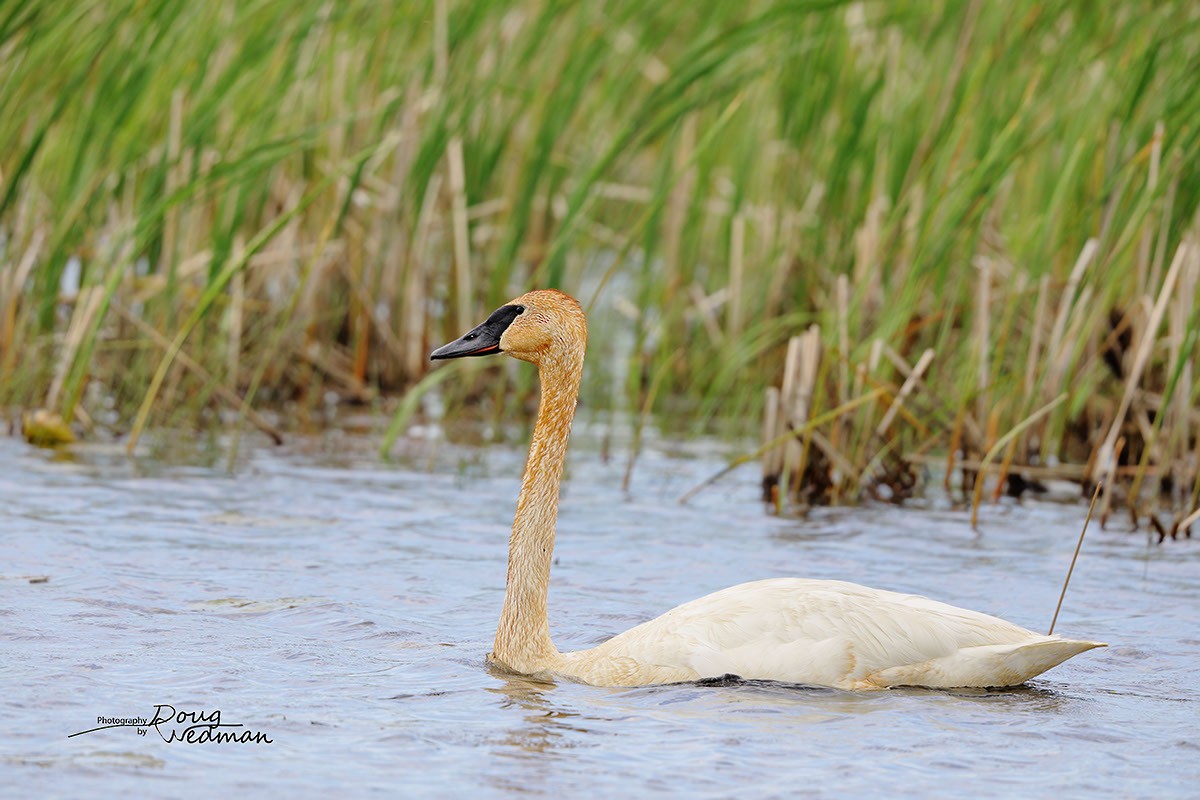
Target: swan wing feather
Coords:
[[829, 633]]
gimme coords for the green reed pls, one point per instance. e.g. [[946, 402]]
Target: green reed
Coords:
[[303, 198]]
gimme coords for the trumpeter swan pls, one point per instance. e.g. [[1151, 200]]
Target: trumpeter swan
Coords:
[[818, 632]]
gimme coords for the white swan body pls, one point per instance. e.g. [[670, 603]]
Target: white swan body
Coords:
[[821, 633], [824, 633]]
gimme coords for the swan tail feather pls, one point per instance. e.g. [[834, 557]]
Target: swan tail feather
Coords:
[[991, 665]]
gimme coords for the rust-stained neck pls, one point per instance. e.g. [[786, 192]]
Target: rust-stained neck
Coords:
[[523, 641]]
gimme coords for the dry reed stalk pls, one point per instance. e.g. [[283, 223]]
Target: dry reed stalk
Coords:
[[993, 427], [858, 429], [788, 233], [904, 369], [766, 218], [233, 342], [897, 360], [1035, 342], [1065, 348], [905, 390], [863, 421], [462, 245], [772, 459], [1066, 302], [627, 192], [983, 303], [705, 307], [1140, 414], [1005, 468], [190, 220], [1106, 457], [199, 215], [787, 400], [1013, 304], [867, 241], [395, 200], [170, 387], [806, 381], [1151, 451], [12, 280], [1164, 232], [678, 201], [737, 265], [1193, 500], [1179, 406], [338, 148], [415, 285], [1147, 275], [225, 393], [874, 356], [895, 407], [1033, 358], [86, 305], [1116, 457], [842, 390], [174, 178], [1074, 558], [378, 301], [359, 310], [1112, 155], [843, 325], [536, 244], [1066, 472], [839, 462], [909, 237], [809, 214], [487, 208], [955, 444], [803, 359]]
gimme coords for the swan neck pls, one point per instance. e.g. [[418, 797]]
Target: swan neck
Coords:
[[523, 636]]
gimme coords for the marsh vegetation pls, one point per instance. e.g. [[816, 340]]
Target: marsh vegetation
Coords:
[[985, 215]]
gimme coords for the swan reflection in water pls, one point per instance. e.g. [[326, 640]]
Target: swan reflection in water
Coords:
[[548, 721], [545, 725]]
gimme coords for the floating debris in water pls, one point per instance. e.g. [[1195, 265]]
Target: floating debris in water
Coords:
[[43, 428]]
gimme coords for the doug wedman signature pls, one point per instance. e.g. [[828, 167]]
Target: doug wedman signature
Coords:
[[192, 727]]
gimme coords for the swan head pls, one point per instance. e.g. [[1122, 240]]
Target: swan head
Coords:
[[534, 327]]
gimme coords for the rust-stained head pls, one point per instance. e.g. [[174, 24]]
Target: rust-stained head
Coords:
[[541, 323]]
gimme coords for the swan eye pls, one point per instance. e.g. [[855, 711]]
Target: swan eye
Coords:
[[470, 336]]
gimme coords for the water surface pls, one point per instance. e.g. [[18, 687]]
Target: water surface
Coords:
[[343, 607]]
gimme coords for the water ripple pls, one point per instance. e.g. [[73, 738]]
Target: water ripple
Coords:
[[344, 607]]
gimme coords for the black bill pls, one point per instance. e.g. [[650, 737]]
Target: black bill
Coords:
[[483, 340]]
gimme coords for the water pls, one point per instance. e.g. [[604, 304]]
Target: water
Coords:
[[343, 608]]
